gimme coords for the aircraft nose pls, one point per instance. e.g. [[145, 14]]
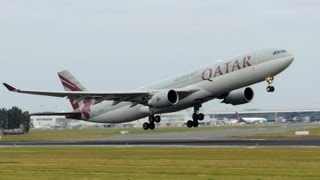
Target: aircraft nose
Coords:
[[290, 58], [289, 54]]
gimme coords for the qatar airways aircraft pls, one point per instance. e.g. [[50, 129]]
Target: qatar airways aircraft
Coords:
[[226, 80]]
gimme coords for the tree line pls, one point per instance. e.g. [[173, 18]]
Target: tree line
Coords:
[[14, 118]]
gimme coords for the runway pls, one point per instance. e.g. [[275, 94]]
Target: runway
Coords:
[[172, 143], [226, 138]]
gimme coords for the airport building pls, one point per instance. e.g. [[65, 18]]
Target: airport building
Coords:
[[47, 122], [278, 116], [60, 122]]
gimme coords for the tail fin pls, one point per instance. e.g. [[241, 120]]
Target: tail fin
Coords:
[[238, 117], [70, 83]]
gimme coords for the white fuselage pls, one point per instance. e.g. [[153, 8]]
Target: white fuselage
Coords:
[[210, 82]]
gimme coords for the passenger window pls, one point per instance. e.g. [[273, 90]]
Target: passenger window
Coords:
[[277, 52]]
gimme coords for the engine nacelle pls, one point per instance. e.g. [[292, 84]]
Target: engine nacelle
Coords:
[[164, 98], [240, 96]]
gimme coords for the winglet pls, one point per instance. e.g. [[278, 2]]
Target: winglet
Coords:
[[10, 88]]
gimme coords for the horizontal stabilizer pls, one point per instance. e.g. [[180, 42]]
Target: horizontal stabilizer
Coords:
[[9, 87], [69, 115]]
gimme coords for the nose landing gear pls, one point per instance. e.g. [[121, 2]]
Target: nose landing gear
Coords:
[[269, 80]]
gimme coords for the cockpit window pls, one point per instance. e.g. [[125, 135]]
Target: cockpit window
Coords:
[[278, 52]]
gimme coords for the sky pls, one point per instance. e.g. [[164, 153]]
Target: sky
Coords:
[[125, 44]]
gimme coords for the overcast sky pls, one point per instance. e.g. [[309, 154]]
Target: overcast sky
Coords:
[[124, 44]]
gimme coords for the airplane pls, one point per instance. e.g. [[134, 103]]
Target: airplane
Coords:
[[251, 120], [226, 80], [254, 120], [233, 122]]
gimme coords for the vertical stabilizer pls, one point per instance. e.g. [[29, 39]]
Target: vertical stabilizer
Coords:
[[70, 83]]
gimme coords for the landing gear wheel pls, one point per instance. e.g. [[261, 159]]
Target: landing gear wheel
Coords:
[[145, 126], [157, 119], [152, 126], [151, 119], [195, 116], [189, 124], [270, 89], [201, 116], [195, 123]]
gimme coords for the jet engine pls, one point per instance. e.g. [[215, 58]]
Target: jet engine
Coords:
[[240, 96], [164, 98]]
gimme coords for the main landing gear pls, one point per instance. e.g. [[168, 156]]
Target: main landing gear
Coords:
[[196, 116], [269, 80], [151, 124]]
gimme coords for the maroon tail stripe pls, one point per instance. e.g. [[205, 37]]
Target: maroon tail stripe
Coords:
[[63, 78], [66, 80], [75, 106], [72, 88]]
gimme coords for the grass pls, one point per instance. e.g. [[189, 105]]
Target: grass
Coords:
[[159, 163], [75, 134]]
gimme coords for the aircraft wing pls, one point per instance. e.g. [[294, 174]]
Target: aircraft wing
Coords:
[[138, 97]]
